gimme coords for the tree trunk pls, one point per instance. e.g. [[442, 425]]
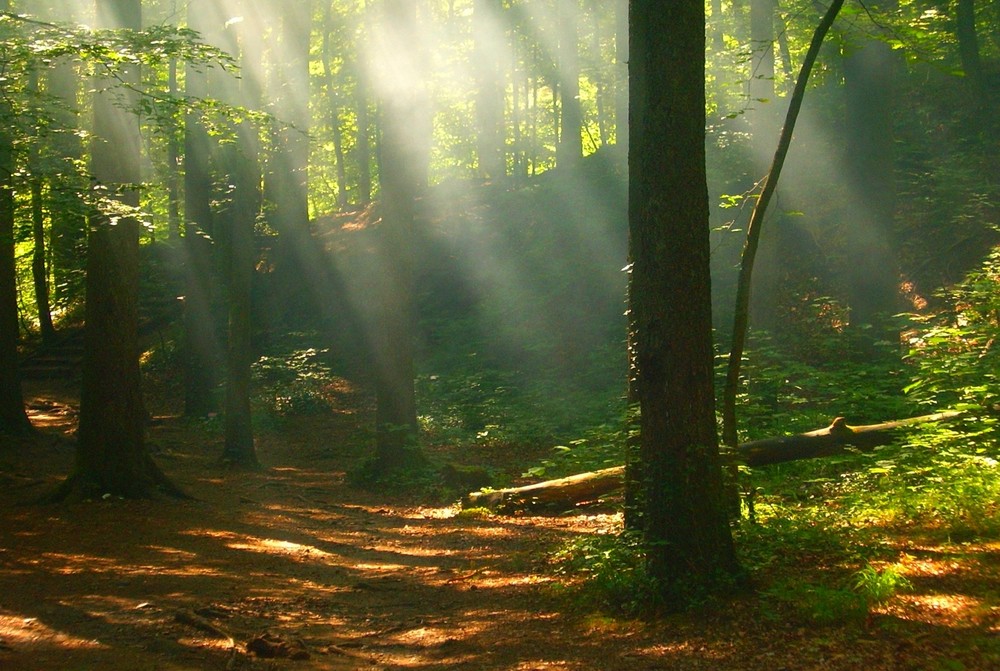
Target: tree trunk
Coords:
[[570, 148], [621, 71], [400, 179], [333, 111], [111, 456], [362, 143], [488, 49], [39, 272], [13, 418], [576, 490], [968, 50], [676, 477], [237, 219], [287, 191], [761, 85], [202, 347], [68, 221], [871, 273], [741, 319]]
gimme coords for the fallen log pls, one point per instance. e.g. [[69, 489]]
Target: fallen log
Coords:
[[574, 490]]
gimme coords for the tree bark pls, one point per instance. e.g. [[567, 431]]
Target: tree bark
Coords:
[[570, 148], [237, 219], [111, 456], [675, 479], [575, 490], [287, 177], [488, 49], [400, 179], [39, 267], [871, 274], [741, 320], [968, 50], [13, 418], [333, 109], [202, 346]]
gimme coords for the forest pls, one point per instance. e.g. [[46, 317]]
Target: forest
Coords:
[[500, 334]]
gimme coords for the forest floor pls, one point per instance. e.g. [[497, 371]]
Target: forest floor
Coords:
[[310, 573]]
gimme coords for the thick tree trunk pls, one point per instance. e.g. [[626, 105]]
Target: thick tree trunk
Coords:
[[871, 273], [575, 490], [675, 478], [400, 179], [111, 456]]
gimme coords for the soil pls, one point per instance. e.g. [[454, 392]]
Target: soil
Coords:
[[293, 568]]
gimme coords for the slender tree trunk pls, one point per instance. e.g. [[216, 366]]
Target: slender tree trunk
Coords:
[[676, 478], [39, 271], [173, 163], [13, 418], [362, 144], [741, 320], [570, 148], [400, 179], [761, 86], [333, 111], [68, 234], [489, 41], [202, 346], [111, 456], [240, 165], [621, 70], [872, 271], [968, 49]]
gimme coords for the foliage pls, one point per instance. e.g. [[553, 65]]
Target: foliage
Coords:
[[611, 570], [295, 383], [878, 586]]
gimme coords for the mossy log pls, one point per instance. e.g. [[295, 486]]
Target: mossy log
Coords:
[[575, 490]]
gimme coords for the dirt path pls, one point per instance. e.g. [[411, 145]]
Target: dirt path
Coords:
[[308, 573]]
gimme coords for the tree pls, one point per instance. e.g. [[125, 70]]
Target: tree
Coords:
[[741, 312], [13, 418], [400, 179], [872, 274], [287, 192], [570, 148], [201, 339], [111, 455], [67, 212], [489, 42], [237, 219], [39, 267], [675, 473]]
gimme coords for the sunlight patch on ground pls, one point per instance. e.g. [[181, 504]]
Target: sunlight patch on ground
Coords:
[[486, 580], [946, 610], [74, 564], [539, 666], [295, 551], [25, 632]]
